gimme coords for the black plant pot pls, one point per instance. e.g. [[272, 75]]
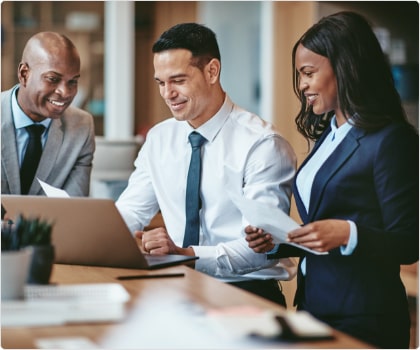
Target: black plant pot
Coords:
[[41, 264]]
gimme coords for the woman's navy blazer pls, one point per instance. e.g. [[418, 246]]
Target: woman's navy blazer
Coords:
[[372, 178]]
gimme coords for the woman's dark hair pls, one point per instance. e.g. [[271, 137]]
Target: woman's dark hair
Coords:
[[365, 84], [198, 39]]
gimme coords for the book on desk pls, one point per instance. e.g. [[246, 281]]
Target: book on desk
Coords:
[[61, 304]]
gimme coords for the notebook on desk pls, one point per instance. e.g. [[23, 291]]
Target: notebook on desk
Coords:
[[88, 231]]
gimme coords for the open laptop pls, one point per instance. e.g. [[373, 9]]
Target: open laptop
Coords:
[[88, 231]]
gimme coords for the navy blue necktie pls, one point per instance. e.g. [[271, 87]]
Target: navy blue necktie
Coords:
[[32, 157], [192, 198]]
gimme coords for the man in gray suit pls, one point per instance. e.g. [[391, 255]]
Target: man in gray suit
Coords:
[[48, 76]]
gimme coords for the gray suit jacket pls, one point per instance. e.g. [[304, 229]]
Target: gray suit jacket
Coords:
[[66, 160]]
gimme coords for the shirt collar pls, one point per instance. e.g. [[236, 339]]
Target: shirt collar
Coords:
[[20, 119], [339, 133], [212, 127]]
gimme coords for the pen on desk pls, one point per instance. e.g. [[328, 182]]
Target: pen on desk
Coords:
[[161, 275]]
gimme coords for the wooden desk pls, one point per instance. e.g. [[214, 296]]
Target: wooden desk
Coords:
[[195, 292]]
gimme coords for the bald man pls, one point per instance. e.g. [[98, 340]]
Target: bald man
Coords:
[[48, 77]]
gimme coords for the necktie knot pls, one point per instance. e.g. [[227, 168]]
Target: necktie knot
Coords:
[[35, 130], [196, 139]]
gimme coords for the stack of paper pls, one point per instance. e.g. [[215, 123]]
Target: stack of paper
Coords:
[[60, 304]]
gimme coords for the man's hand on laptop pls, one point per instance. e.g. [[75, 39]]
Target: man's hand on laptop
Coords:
[[157, 241]]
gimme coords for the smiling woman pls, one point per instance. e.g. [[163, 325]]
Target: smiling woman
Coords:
[[357, 191], [317, 82], [366, 153]]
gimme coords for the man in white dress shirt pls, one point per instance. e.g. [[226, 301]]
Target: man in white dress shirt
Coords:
[[241, 151]]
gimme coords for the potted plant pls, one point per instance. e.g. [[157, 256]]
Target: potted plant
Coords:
[[14, 264], [36, 234]]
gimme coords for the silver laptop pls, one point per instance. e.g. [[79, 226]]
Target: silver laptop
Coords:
[[88, 231]]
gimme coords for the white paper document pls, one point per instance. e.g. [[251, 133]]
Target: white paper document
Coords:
[[271, 219], [51, 191]]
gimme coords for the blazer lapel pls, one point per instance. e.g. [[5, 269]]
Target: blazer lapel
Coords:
[[346, 148], [9, 155], [299, 203], [51, 149]]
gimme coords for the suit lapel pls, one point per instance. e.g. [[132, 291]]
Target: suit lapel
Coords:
[[9, 155], [51, 149], [333, 164], [299, 203]]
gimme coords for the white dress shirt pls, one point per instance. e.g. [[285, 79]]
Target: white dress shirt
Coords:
[[262, 165], [307, 174]]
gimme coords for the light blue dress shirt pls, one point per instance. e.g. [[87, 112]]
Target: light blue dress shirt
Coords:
[[21, 120], [307, 174]]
